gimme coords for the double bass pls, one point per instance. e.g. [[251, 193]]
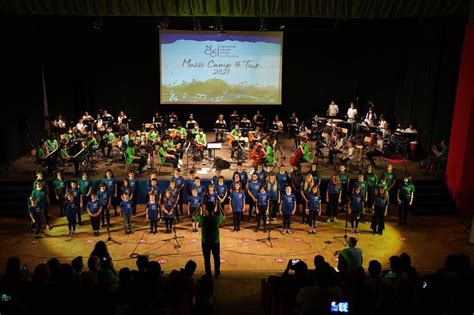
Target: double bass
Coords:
[[257, 154], [296, 156]]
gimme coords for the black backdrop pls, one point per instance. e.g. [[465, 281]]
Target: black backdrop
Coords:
[[406, 68]]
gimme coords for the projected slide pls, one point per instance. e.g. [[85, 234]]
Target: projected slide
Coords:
[[211, 68]]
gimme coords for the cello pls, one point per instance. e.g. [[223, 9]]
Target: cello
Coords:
[[295, 158], [257, 154]]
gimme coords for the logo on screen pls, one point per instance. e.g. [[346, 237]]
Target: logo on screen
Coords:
[[210, 52]]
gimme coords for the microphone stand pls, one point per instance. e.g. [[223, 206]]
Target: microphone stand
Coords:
[[269, 237], [109, 238], [345, 230]]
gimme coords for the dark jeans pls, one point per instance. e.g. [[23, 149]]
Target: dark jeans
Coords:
[[252, 205], [343, 194], [105, 215], [286, 221], [403, 211], [215, 248], [95, 222], [79, 214], [141, 162], [312, 217], [71, 224], [127, 222], [237, 217], [273, 208], [169, 224], [355, 217], [378, 219], [38, 225], [370, 196], [153, 225], [333, 204], [108, 148], [261, 216]]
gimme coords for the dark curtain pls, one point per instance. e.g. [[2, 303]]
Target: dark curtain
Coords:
[[407, 68], [359, 9]]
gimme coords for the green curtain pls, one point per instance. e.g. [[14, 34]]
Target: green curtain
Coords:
[[345, 9]]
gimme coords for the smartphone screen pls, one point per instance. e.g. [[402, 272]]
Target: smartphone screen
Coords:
[[339, 307]]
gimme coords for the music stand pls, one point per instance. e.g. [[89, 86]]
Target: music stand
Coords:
[[175, 237], [269, 237], [191, 126], [345, 230], [213, 146], [109, 238]]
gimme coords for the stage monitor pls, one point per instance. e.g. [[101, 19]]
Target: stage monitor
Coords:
[[202, 67]]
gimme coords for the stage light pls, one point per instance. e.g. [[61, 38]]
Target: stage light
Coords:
[[197, 23], [262, 25], [163, 25], [282, 27], [97, 24]]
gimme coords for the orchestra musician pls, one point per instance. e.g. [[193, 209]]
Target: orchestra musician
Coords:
[[333, 109], [133, 157], [234, 118], [158, 122], [122, 122], [303, 131], [258, 119], [172, 120], [99, 123], [269, 154], [293, 123], [200, 143], [411, 129], [81, 127], [336, 144], [220, 127], [348, 153], [87, 118], [107, 139], [351, 113], [377, 151], [277, 126], [59, 125], [190, 123], [245, 123], [370, 117]]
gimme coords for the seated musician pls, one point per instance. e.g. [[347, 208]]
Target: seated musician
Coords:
[[51, 144], [91, 141], [107, 118], [220, 126], [153, 135], [80, 127], [99, 124], [170, 147], [132, 157], [400, 128], [370, 118], [237, 137], [235, 131], [439, 157], [277, 126], [63, 154], [87, 118], [303, 132], [172, 120], [158, 121], [122, 122], [336, 145], [306, 157], [411, 129], [269, 154], [181, 130], [348, 153], [108, 137], [234, 118], [165, 157], [200, 143], [333, 109], [377, 151], [382, 122], [258, 119]]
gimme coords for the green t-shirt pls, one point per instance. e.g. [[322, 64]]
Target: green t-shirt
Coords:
[[84, 186], [371, 179], [59, 186], [270, 155], [109, 136], [39, 153], [306, 156], [343, 177], [63, 154], [152, 135], [406, 191], [169, 144], [389, 177], [444, 155], [129, 154], [210, 227], [91, 142], [234, 132], [382, 185], [162, 153], [51, 144], [201, 138], [182, 131]]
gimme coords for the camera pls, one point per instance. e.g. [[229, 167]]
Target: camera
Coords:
[[389, 274], [339, 307], [295, 261]]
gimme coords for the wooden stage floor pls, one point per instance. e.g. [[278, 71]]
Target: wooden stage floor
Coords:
[[427, 239]]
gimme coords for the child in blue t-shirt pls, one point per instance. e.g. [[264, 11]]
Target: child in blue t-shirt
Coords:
[[211, 198], [36, 214], [194, 207], [168, 206], [237, 202], [126, 210], [314, 208], [94, 209], [222, 191], [287, 208], [356, 204], [77, 199], [105, 204], [153, 213], [111, 184], [253, 187], [263, 207], [71, 209]]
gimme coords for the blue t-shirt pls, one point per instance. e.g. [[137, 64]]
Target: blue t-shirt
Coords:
[[194, 201], [362, 184], [152, 210], [168, 205], [254, 187], [133, 184], [356, 202], [104, 197], [333, 189], [232, 185], [307, 192], [343, 178], [110, 183], [316, 177], [288, 203], [211, 198], [282, 180], [127, 207], [127, 190], [380, 201], [178, 180], [262, 177], [262, 199], [314, 202], [201, 190], [238, 200], [93, 206], [71, 209], [76, 193], [272, 192], [155, 190], [221, 189]]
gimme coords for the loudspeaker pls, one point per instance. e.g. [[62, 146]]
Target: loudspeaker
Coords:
[[222, 164]]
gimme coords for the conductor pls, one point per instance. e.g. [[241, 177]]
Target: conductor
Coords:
[[210, 238]]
